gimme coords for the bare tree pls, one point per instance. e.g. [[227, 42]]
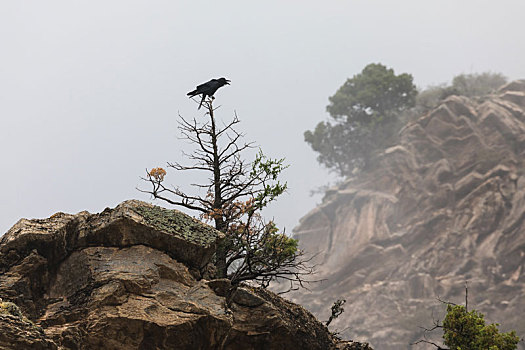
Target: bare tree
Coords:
[[235, 193]]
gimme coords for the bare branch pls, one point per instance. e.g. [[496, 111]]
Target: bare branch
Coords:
[[438, 347]]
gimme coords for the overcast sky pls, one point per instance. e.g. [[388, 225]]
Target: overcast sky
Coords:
[[90, 90]]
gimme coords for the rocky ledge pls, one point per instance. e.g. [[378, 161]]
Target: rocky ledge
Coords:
[[135, 277]]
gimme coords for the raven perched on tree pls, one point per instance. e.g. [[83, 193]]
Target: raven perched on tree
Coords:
[[208, 89]]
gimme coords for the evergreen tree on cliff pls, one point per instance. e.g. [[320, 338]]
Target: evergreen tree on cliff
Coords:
[[364, 118], [467, 330], [233, 198]]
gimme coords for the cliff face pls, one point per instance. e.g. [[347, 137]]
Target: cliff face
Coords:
[[445, 205], [135, 277]]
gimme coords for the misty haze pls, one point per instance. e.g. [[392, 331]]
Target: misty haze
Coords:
[[278, 175]]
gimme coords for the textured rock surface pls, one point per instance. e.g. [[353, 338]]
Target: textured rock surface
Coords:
[[445, 205], [133, 277], [17, 332]]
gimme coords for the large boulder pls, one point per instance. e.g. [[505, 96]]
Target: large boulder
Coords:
[[135, 277]]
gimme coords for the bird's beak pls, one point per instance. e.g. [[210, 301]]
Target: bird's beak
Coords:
[[228, 81]]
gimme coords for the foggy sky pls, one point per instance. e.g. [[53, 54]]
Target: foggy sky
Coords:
[[90, 90]]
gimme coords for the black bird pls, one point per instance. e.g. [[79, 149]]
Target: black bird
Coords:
[[208, 89]]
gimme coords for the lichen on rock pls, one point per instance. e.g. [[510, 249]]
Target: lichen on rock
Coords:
[[177, 223]]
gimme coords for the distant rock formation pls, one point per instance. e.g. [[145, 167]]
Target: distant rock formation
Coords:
[[135, 277], [445, 205]]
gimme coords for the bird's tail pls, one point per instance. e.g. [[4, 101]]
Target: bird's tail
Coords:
[[203, 97], [192, 93]]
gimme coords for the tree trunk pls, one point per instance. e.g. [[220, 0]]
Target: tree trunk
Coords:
[[220, 225]]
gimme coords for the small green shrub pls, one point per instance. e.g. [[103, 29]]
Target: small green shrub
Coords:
[[466, 330]]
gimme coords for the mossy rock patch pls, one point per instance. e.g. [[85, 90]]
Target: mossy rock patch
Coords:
[[179, 224]]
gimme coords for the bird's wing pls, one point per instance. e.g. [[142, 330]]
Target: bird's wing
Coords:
[[214, 86], [203, 88], [207, 88]]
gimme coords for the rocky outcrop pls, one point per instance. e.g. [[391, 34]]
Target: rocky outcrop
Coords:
[[136, 277], [444, 206]]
